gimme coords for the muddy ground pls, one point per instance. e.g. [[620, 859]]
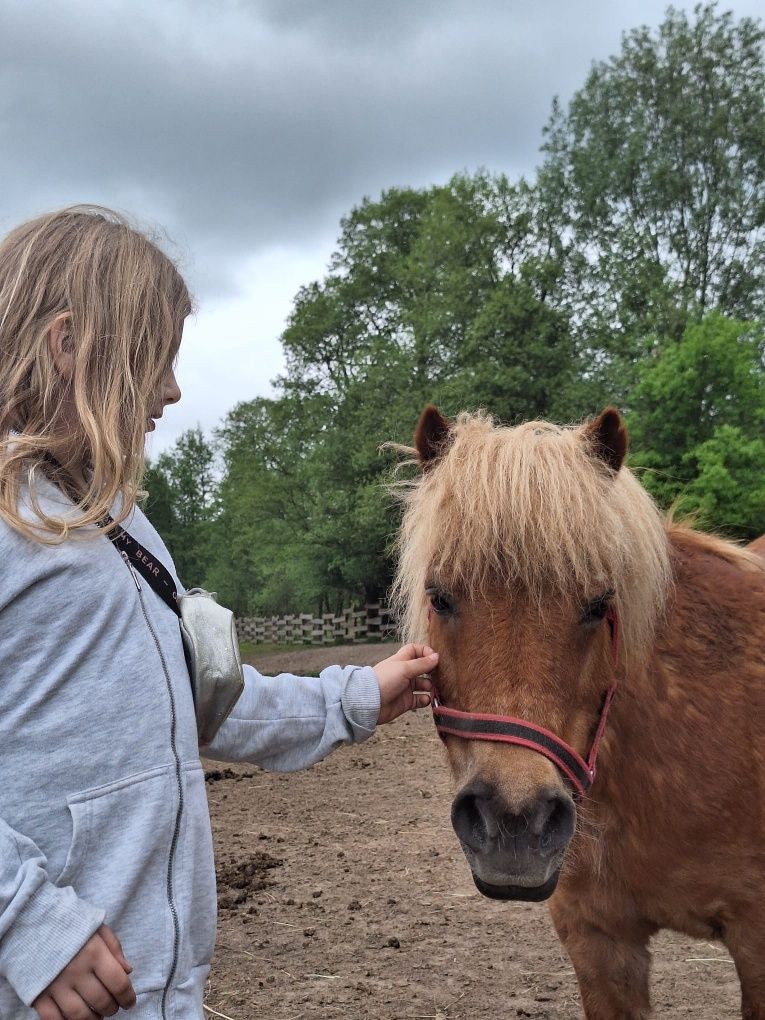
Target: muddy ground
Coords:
[[343, 893]]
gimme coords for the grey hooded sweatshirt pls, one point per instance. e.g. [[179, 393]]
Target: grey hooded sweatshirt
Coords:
[[103, 810]]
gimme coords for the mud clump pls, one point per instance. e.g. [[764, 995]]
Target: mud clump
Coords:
[[217, 775], [238, 879]]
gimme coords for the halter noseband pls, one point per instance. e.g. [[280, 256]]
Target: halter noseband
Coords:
[[507, 729]]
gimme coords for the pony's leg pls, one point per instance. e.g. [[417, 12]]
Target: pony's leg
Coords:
[[745, 939], [612, 967]]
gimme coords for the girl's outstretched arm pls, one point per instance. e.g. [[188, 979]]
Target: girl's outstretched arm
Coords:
[[285, 723]]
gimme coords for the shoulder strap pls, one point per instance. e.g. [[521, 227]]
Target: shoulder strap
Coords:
[[148, 566]]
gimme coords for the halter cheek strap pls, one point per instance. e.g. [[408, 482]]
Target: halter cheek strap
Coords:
[[509, 730]]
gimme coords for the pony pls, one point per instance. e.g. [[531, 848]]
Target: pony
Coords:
[[545, 576]]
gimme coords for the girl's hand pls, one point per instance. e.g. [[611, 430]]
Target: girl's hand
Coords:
[[92, 985], [403, 688]]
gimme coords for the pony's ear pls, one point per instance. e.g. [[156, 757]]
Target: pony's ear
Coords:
[[432, 436], [607, 437]]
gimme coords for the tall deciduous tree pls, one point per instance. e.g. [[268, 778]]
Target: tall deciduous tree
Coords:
[[450, 294], [728, 488], [698, 417], [657, 173], [181, 486], [261, 556]]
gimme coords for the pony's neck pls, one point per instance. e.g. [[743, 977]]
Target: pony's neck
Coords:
[[696, 687]]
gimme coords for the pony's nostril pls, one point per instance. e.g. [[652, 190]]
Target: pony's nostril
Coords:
[[469, 821], [552, 819], [540, 815]]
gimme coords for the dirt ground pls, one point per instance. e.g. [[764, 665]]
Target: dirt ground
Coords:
[[343, 893]]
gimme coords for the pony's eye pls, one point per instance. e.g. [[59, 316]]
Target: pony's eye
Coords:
[[440, 601], [597, 608]]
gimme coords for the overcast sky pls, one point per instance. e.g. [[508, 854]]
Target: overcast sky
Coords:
[[246, 128]]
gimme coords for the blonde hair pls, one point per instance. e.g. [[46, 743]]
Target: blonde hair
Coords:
[[126, 302], [535, 510]]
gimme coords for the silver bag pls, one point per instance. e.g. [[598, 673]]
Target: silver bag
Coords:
[[212, 655]]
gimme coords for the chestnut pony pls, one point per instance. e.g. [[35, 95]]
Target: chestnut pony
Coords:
[[541, 571]]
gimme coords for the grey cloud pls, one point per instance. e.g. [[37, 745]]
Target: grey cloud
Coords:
[[366, 23], [240, 125]]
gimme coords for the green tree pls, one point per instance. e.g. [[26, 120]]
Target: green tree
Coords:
[[182, 488], [450, 294], [655, 172], [695, 400], [728, 490], [261, 560], [160, 503]]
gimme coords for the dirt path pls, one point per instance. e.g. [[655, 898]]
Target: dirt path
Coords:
[[343, 894]]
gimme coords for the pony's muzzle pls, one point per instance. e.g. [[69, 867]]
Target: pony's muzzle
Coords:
[[513, 848]]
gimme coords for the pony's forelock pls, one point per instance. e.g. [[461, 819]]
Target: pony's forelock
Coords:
[[534, 510]]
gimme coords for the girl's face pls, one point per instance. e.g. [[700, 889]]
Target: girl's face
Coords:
[[63, 356], [170, 393]]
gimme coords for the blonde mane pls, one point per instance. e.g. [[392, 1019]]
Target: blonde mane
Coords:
[[535, 510]]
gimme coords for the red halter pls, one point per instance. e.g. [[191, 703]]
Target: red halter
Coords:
[[509, 730]]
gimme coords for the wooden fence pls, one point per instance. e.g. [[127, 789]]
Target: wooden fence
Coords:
[[372, 622]]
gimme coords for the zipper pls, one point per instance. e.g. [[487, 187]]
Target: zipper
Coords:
[[133, 571], [179, 781]]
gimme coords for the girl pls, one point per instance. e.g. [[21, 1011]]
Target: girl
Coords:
[[105, 838]]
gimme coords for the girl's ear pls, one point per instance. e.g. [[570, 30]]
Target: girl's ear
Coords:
[[61, 347]]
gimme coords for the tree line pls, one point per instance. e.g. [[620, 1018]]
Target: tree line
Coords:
[[629, 271]]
